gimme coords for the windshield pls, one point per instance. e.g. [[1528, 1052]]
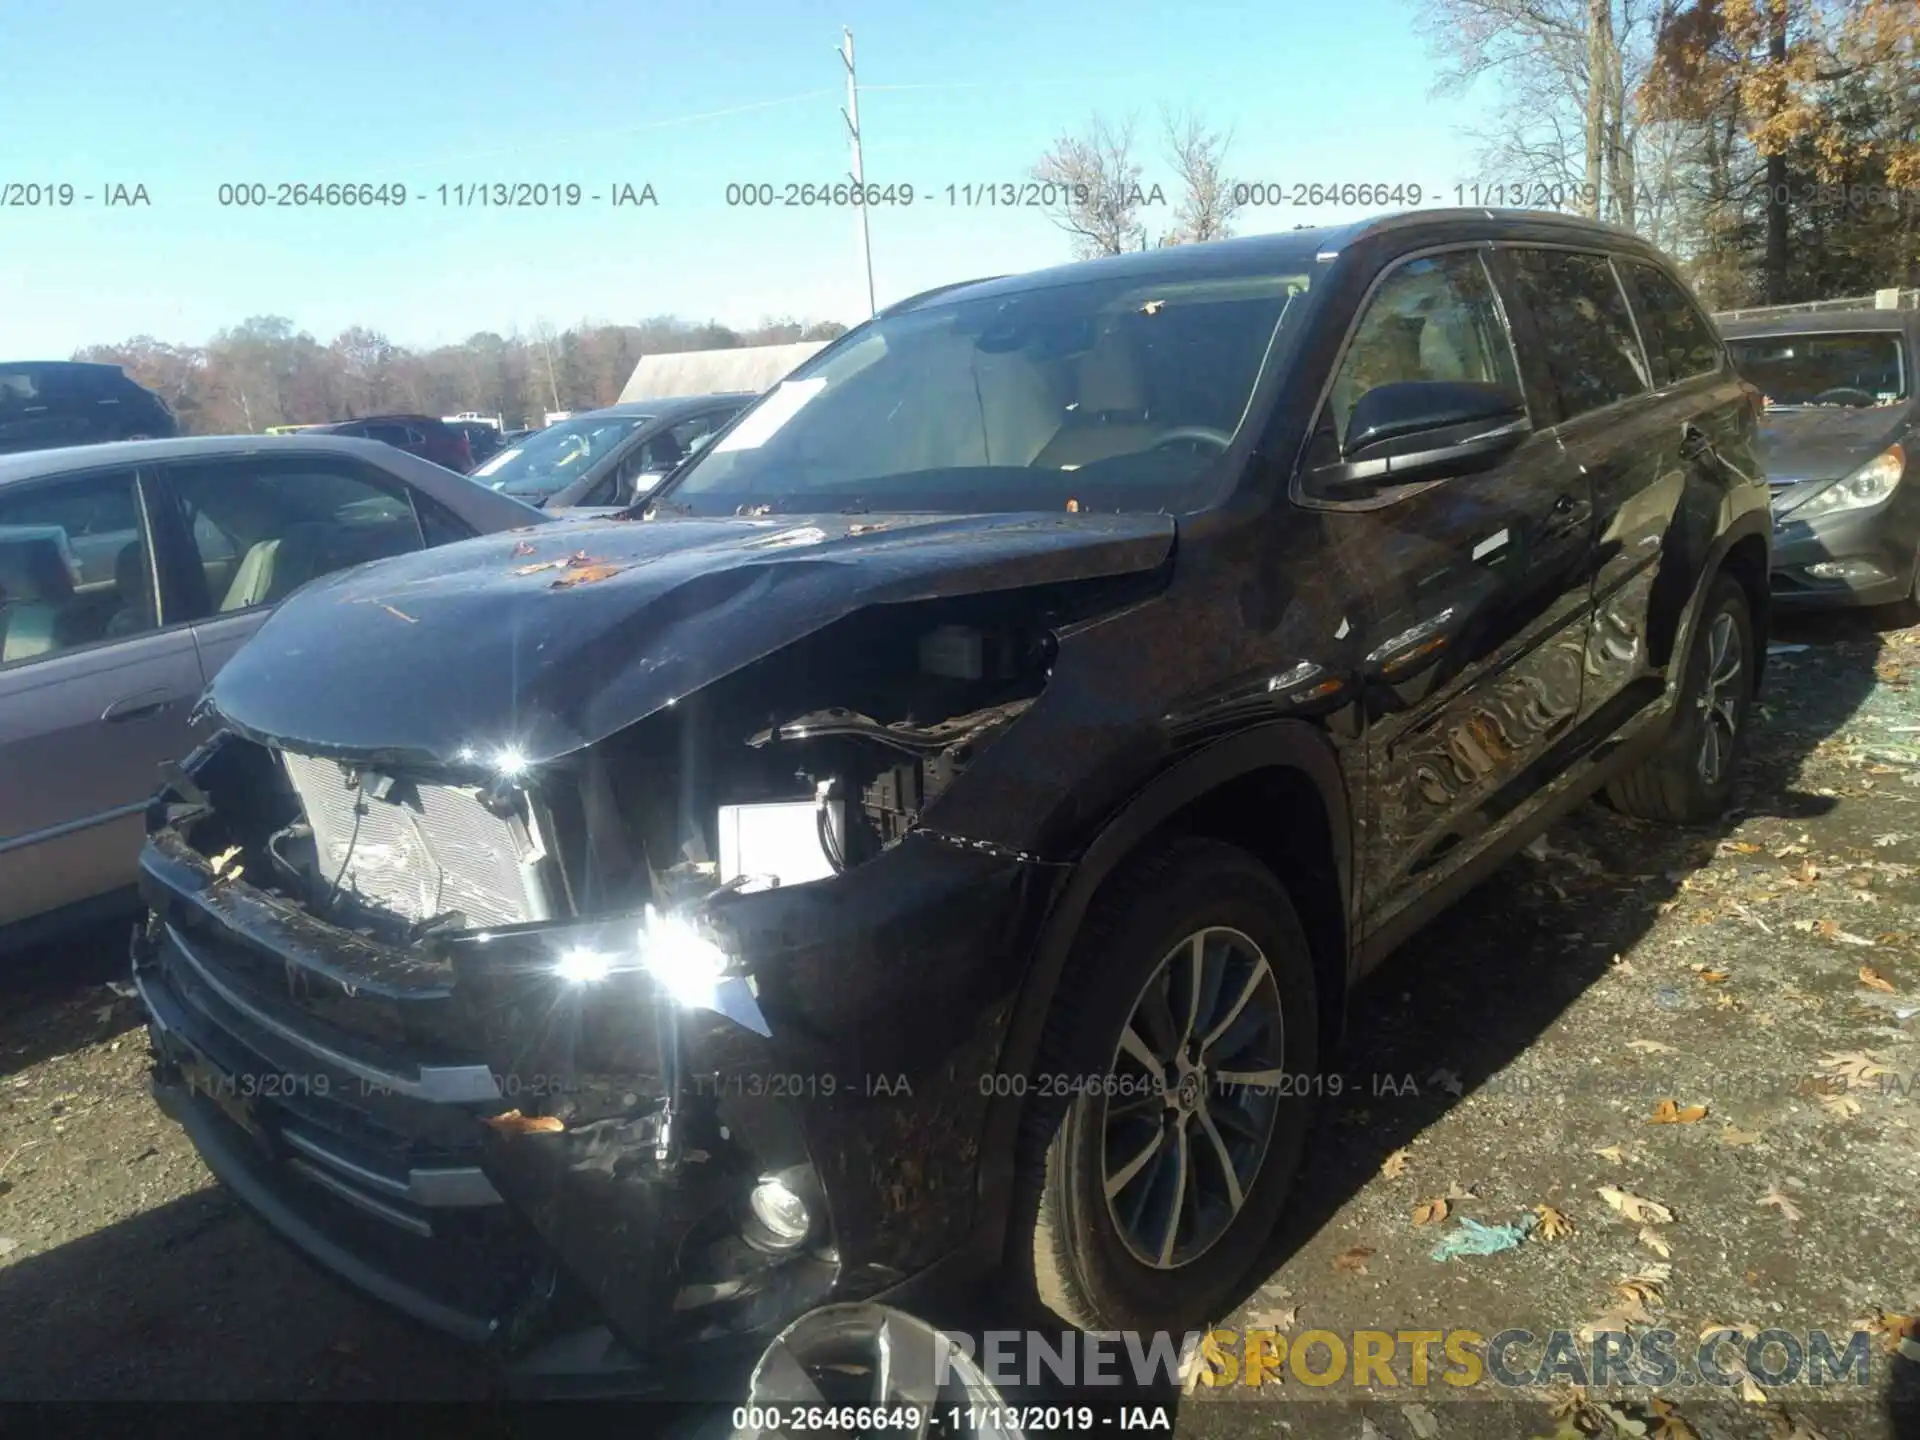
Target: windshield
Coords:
[[1110, 394], [549, 460], [1857, 368]]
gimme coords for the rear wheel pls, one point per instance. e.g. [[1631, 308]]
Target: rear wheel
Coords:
[[1172, 1099], [1689, 780]]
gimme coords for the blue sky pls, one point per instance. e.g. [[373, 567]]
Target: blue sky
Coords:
[[182, 97]]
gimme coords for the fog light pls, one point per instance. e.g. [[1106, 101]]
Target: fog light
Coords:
[[781, 1213], [1846, 570]]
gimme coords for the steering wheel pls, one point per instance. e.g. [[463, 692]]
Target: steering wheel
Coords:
[[1822, 397], [1205, 434]]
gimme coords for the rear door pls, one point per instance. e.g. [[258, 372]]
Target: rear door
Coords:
[[97, 681], [1625, 435], [1470, 594]]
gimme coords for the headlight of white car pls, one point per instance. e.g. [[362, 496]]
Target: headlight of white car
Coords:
[[1872, 483]]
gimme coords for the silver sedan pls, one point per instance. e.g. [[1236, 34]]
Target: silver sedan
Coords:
[[128, 574]]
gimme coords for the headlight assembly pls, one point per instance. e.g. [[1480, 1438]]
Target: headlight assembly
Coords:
[[687, 963], [1866, 487]]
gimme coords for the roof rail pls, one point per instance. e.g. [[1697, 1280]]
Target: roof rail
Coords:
[[1879, 300]]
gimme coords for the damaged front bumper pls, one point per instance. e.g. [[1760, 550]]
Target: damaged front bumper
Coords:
[[530, 1161]]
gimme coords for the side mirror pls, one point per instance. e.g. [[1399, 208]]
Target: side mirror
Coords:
[[1419, 430]]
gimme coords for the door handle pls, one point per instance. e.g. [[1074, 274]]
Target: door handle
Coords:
[[141, 706]]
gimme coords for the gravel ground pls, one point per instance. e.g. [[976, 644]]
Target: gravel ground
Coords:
[[1766, 972]]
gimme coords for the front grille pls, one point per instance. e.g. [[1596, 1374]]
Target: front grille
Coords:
[[423, 851]]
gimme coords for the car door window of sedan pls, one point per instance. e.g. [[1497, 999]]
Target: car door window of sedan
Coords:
[[1434, 318], [264, 528], [75, 568], [1586, 330]]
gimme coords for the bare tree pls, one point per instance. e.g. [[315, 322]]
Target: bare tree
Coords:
[[1198, 156], [1099, 183]]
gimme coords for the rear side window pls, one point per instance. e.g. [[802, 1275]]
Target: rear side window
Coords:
[[1680, 341], [1584, 327]]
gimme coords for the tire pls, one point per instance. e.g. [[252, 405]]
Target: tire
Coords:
[[1086, 1266], [1677, 783]]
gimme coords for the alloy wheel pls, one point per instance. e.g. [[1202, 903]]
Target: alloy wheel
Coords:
[[1191, 1097], [1719, 700]]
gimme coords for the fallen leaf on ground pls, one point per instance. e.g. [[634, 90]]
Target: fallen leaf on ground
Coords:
[[1731, 1136], [1652, 1239], [1429, 1212], [1395, 1165], [1742, 847], [1651, 1047], [1636, 1208], [1853, 1066], [1280, 1319], [1457, 1191], [1421, 1421], [1874, 980], [1354, 1259], [1788, 1210], [1844, 1106], [514, 1123], [1554, 1224], [1611, 1152], [1671, 1112], [1891, 1328], [1789, 1427], [1668, 1423], [1807, 873], [1710, 977]]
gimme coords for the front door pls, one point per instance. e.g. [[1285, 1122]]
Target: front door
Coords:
[[1470, 595]]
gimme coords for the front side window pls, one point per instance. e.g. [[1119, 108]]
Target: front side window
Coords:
[[1584, 327], [1111, 394], [261, 529], [1680, 340], [75, 568], [1434, 318], [1840, 367]]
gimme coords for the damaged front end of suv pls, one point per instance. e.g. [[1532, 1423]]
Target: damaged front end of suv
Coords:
[[560, 940]]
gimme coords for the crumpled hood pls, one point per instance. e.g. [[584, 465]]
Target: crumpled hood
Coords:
[[1823, 443], [546, 640]]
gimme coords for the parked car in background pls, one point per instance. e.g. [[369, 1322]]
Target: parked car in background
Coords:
[[1018, 730], [45, 404], [424, 435], [1841, 442], [483, 438], [128, 575], [607, 458]]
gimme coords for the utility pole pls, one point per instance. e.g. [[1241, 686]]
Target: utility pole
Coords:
[[851, 114]]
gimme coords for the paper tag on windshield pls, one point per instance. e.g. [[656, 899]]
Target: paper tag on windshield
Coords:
[[773, 412]]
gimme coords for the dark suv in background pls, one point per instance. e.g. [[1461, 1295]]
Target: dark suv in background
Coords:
[[423, 435], [46, 404], [944, 831]]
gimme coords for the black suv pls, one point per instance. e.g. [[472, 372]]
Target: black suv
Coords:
[[46, 404], [945, 826]]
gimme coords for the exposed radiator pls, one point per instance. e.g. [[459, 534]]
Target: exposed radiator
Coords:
[[422, 852]]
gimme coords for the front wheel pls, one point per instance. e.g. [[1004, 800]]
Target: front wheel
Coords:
[[1689, 780], [1174, 1092]]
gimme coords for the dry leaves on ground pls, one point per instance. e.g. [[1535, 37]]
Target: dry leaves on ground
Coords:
[[1554, 1224], [1651, 1047], [1279, 1319], [1354, 1259], [1669, 1423], [1731, 1136], [1874, 980], [1652, 1239], [1430, 1212], [1856, 1067], [1671, 1112], [1395, 1165], [1891, 1328], [1636, 1208], [514, 1123], [1611, 1152], [1845, 1106]]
